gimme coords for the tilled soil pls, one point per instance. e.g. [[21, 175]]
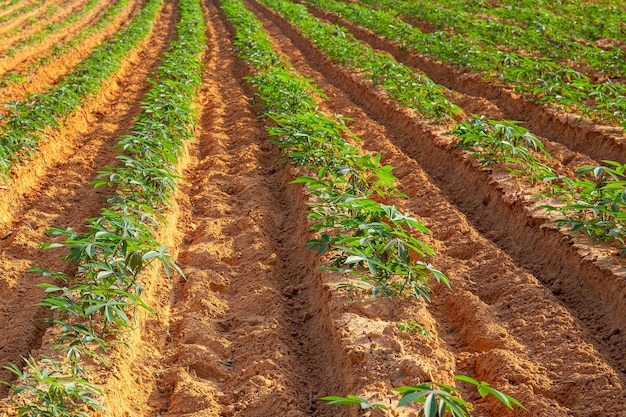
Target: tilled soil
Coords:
[[255, 329]]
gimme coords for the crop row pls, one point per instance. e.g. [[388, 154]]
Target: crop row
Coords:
[[49, 29], [15, 77], [8, 3], [540, 78], [594, 201], [548, 41], [95, 305], [361, 236], [51, 9], [26, 123]]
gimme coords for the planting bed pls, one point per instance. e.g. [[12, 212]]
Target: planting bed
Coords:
[[255, 327]]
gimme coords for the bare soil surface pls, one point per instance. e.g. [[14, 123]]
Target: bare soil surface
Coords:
[[255, 329]]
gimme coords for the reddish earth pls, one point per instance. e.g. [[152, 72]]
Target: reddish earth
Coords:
[[256, 329]]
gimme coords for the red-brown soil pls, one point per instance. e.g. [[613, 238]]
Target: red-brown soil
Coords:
[[256, 329], [22, 17]]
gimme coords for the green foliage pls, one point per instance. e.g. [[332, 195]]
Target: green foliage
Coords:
[[594, 201], [352, 400], [362, 237], [412, 90], [437, 399], [540, 77], [412, 327], [503, 141], [51, 28], [97, 303], [28, 119], [50, 390]]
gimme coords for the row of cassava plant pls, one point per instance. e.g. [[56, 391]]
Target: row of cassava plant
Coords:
[[362, 236], [50, 29], [96, 304], [542, 39], [358, 229], [29, 118], [540, 78], [590, 21], [490, 141], [8, 3], [60, 48]]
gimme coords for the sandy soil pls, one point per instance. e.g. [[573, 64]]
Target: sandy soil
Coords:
[[256, 329]]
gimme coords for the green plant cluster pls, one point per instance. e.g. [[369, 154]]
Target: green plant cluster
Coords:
[[49, 29], [594, 201], [490, 141], [583, 20], [401, 83], [503, 141], [97, 303], [8, 3], [439, 400], [104, 18], [363, 236], [541, 78], [26, 123], [32, 20]]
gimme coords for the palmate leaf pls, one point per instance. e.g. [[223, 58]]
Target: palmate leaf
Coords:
[[352, 399], [485, 389]]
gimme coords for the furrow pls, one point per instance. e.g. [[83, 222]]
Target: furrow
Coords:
[[42, 21], [22, 54], [19, 15], [246, 336], [39, 78]]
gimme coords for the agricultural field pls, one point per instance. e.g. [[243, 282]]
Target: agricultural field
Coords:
[[313, 208]]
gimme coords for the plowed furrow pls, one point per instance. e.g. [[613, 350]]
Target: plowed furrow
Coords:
[[54, 190], [595, 140], [20, 18], [501, 323], [246, 334]]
